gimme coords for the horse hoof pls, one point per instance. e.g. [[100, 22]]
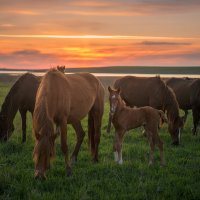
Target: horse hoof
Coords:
[[95, 160], [176, 143], [40, 177], [193, 132], [69, 173], [73, 160], [163, 164], [120, 162], [150, 163]]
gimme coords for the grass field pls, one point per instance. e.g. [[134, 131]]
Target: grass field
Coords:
[[180, 179]]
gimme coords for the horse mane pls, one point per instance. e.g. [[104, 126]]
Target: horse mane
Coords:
[[170, 102]]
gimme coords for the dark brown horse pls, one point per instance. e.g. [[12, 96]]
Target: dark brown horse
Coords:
[[142, 91], [66, 99], [125, 118], [20, 97], [187, 92]]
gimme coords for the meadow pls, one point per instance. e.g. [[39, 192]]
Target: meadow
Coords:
[[179, 179]]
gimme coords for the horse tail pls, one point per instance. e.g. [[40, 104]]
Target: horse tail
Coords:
[[91, 132], [163, 119]]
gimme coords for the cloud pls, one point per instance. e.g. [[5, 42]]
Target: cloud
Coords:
[[154, 43], [98, 7], [27, 59]]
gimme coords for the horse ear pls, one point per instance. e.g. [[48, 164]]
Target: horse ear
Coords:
[[37, 136], [109, 89]]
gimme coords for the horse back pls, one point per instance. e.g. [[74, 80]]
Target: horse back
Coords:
[[195, 93], [141, 91], [87, 91]]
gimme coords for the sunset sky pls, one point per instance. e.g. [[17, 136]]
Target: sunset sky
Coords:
[[82, 33]]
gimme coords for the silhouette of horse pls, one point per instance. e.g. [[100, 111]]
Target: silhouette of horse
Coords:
[[125, 118], [141, 91], [187, 91], [66, 99], [20, 97]]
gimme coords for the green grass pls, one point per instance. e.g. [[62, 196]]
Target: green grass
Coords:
[[180, 179]]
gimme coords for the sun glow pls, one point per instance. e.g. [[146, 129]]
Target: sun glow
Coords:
[[114, 37]]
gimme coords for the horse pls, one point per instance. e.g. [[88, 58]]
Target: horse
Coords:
[[142, 91], [61, 100], [125, 118], [187, 91], [20, 97]]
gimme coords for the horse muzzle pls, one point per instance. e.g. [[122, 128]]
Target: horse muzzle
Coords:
[[39, 175]]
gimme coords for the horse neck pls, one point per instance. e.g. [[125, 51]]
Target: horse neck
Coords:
[[172, 108], [10, 106], [120, 107]]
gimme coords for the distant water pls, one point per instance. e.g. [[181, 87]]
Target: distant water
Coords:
[[14, 73]]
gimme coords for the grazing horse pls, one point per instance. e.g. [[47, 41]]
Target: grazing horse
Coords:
[[125, 118], [66, 99], [141, 91], [187, 92], [20, 97]]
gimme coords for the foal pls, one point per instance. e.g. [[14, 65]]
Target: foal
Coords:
[[125, 118]]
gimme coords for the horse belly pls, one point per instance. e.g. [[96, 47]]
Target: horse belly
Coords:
[[79, 109]]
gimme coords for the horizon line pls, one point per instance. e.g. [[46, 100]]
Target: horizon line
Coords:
[[114, 37]]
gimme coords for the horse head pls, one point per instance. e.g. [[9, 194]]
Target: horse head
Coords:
[[114, 97], [6, 128], [43, 151], [174, 128]]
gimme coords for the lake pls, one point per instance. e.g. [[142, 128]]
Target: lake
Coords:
[[14, 73]]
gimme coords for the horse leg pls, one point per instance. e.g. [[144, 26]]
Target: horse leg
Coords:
[[64, 147], [196, 118], [23, 116], [185, 116], [160, 146], [117, 147], [97, 135], [80, 136], [109, 123], [152, 147], [91, 143]]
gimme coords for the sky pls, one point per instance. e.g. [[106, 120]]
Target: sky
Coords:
[[38, 34]]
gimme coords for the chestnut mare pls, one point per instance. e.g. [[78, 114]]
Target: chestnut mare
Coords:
[[142, 91], [125, 118], [66, 99], [187, 92]]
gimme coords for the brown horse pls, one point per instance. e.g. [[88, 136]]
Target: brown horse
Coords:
[[187, 92], [141, 91], [125, 118], [20, 97], [66, 99]]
